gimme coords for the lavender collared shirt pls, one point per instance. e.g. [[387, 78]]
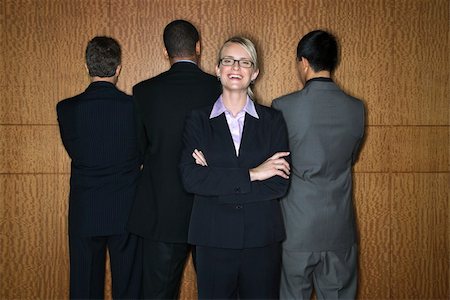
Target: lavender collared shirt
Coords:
[[235, 124]]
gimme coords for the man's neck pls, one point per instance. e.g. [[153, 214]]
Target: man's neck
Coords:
[[112, 79], [173, 60], [323, 74]]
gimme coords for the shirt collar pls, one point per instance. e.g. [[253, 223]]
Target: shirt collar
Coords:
[[220, 108], [101, 83], [323, 79], [185, 60]]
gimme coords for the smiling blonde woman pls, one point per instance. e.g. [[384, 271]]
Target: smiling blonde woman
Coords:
[[235, 162]]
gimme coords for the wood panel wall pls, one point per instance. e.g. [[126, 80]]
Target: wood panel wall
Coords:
[[395, 56]]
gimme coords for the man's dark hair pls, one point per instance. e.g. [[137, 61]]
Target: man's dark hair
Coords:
[[320, 49], [103, 55], [180, 38]]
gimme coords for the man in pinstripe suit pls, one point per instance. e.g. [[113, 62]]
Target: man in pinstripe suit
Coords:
[[98, 131]]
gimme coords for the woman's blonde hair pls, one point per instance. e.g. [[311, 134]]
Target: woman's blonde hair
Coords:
[[250, 48]]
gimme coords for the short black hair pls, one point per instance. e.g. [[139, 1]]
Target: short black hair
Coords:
[[103, 56], [180, 38], [320, 49]]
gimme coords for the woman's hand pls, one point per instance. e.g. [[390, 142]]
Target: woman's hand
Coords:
[[199, 158], [273, 166]]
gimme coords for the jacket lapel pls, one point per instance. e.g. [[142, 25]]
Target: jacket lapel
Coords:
[[248, 134], [223, 135]]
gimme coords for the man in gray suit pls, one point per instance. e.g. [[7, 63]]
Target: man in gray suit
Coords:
[[325, 127]]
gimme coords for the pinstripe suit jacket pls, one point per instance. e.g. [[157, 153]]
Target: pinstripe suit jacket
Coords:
[[98, 131]]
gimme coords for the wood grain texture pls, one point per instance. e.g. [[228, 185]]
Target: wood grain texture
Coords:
[[28, 104], [365, 34], [375, 152], [45, 43], [422, 98], [395, 57], [141, 32], [419, 149], [30, 149], [189, 282], [404, 149], [372, 205], [420, 248], [34, 260]]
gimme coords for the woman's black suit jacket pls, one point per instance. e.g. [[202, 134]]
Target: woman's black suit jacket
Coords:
[[229, 210]]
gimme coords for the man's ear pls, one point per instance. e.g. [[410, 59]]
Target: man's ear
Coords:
[[198, 48], [305, 64], [166, 54], [118, 69]]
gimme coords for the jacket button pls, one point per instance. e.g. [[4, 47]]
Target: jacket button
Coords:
[[237, 190], [238, 206]]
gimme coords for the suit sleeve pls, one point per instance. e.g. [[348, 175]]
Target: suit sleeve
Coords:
[[63, 127], [360, 142], [140, 127], [207, 181], [275, 105], [276, 186], [216, 181]]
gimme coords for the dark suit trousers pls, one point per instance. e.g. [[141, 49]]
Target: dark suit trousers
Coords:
[[163, 268], [87, 266], [252, 273]]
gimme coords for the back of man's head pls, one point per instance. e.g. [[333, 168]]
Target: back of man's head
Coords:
[[320, 49], [103, 56], [180, 39]]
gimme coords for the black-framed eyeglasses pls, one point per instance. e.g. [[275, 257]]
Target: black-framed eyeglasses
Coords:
[[243, 63]]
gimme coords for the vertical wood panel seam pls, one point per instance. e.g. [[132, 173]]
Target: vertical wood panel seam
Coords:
[[390, 211]]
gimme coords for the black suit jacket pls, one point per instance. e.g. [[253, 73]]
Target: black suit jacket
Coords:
[[229, 210], [98, 131], [162, 207]]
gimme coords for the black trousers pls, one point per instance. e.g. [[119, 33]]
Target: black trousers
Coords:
[[163, 269], [87, 266], [252, 273]]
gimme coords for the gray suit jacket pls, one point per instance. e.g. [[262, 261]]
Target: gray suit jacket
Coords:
[[325, 128]]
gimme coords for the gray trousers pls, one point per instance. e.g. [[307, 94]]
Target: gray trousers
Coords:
[[333, 274]]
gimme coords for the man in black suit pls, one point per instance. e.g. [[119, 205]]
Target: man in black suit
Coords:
[[98, 131], [162, 208]]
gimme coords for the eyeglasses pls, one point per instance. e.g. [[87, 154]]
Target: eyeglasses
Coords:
[[243, 63]]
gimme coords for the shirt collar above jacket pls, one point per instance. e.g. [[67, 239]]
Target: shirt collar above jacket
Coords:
[[220, 108], [186, 60], [101, 84], [323, 79], [184, 66]]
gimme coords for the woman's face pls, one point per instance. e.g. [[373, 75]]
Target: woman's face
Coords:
[[235, 77]]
